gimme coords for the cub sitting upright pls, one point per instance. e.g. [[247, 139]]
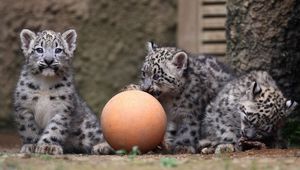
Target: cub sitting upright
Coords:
[[184, 85], [51, 117]]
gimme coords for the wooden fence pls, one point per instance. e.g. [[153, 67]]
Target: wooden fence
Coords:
[[201, 26]]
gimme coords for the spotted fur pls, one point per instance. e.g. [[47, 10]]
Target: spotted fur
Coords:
[[50, 115], [184, 85], [250, 108]]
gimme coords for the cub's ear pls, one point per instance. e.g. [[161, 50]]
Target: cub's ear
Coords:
[[27, 38], [180, 60], [69, 38], [151, 47]]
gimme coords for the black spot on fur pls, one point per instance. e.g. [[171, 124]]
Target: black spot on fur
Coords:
[[227, 139], [183, 130], [214, 66], [173, 132], [62, 97], [54, 139], [46, 140], [24, 97], [88, 125], [62, 132], [56, 122], [22, 128], [69, 108], [82, 136], [22, 83], [29, 139], [193, 123], [32, 86], [52, 97], [24, 74], [186, 141], [97, 140], [90, 134], [77, 132], [54, 128], [59, 85], [193, 133], [69, 84], [35, 98]]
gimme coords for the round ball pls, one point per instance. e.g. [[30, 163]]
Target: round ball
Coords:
[[133, 118]]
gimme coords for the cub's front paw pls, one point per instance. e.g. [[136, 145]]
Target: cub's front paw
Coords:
[[181, 149], [28, 148], [224, 148], [207, 150], [131, 87], [247, 145], [49, 149], [102, 149], [166, 147]]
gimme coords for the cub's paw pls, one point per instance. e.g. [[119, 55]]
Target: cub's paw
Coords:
[[49, 149], [166, 147], [247, 145], [207, 150], [224, 148], [102, 149], [184, 149], [131, 87], [28, 148]]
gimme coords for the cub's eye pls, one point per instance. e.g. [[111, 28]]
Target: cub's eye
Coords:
[[58, 50], [39, 50], [155, 77]]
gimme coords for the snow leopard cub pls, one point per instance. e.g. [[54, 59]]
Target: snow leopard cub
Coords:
[[184, 85], [50, 115], [248, 109]]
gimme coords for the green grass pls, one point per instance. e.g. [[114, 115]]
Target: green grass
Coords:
[[168, 162]]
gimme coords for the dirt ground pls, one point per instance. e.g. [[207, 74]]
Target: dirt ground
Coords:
[[252, 160]]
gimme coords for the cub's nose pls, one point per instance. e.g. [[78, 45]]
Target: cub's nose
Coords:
[[49, 61]]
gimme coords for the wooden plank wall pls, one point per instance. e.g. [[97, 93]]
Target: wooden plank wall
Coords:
[[201, 26]]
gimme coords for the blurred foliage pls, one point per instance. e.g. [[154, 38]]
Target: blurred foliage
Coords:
[[291, 131]]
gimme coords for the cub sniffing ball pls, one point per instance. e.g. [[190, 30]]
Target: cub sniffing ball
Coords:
[[133, 118]]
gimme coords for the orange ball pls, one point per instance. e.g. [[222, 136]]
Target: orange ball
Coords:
[[133, 118]]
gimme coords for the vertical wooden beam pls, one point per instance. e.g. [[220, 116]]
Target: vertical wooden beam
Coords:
[[188, 25]]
